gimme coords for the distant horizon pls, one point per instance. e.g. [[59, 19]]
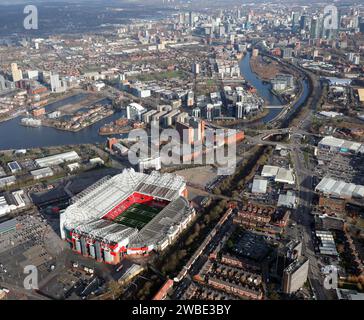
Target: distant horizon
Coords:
[[21, 2]]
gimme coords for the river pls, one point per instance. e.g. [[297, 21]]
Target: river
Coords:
[[263, 89]]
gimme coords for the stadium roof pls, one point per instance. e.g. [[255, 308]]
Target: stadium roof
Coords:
[[89, 207], [162, 224], [106, 230]]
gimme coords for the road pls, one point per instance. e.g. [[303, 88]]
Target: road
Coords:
[[303, 228], [303, 214]]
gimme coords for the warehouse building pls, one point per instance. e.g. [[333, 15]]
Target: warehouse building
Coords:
[[7, 181], [11, 201], [42, 173], [335, 145], [259, 185], [14, 167], [57, 159], [8, 226], [281, 175], [339, 189]]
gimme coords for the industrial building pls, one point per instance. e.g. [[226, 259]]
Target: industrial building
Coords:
[[335, 145], [11, 201], [57, 159], [287, 200], [327, 243], [7, 181], [339, 189], [14, 167], [130, 213], [259, 185], [281, 175], [282, 82], [42, 173]]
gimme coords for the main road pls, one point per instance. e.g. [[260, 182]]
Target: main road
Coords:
[[303, 214], [303, 217]]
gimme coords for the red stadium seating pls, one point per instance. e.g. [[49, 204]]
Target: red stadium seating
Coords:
[[136, 197]]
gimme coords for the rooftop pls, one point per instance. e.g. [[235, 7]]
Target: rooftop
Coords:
[[331, 141], [340, 189]]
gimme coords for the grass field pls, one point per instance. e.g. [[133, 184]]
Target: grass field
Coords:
[[137, 216]]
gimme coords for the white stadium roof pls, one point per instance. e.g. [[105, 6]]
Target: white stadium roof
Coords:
[[88, 208]]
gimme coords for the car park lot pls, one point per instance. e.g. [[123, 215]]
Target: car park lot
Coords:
[[32, 243]]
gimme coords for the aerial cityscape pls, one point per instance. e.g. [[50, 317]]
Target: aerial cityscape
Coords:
[[181, 150]]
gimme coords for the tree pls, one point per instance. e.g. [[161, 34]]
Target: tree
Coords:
[[115, 289], [235, 194], [230, 244], [206, 219]]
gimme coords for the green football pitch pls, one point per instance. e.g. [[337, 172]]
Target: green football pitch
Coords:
[[137, 215]]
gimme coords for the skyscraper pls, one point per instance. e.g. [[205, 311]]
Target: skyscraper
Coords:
[[305, 22], [316, 28]]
